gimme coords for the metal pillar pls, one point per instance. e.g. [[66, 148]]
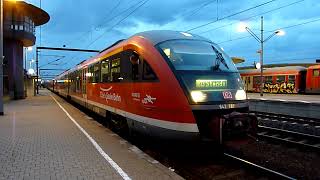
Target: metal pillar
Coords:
[[37, 66], [1, 57], [261, 59]]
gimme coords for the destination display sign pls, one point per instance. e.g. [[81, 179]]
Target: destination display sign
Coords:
[[210, 83]]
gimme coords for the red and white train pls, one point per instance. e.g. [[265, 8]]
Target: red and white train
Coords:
[[167, 84]]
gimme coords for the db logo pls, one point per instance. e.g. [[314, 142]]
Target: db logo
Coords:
[[227, 95]]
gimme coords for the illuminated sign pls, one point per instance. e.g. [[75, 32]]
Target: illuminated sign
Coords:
[[211, 83]]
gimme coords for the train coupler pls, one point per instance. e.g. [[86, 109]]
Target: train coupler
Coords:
[[238, 125]]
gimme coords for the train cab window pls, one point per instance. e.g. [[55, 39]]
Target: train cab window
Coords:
[[292, 79], [115, 70], [148, 73], [316, 72], [281, 79], [105, 70]]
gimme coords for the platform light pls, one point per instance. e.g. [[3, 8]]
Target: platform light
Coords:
[[261, 41], [241, 95], [89, 74], [257, 65], [31, 71], [198, 96], [280, 32], [242, 27], [186, 34]]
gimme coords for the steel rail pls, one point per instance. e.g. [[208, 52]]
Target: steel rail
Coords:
[[264, 170], [291, 137], [289, 118]]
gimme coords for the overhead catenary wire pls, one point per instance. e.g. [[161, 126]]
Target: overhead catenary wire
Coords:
[[115, 16], [56, 60], [257, 15], [248, 63], [231, 15], [189, 11], [120, 21], [195, 11], [99, 25], [286, 27]]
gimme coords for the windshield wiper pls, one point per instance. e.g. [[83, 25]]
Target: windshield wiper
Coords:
[[219, 60]]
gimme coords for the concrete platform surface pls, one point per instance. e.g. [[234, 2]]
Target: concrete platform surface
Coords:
[[41, 140], [286, 97]]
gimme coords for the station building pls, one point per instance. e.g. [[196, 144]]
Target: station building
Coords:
[[19, 22]]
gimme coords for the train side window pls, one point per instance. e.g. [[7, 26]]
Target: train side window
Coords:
[[316, 72], [90, 74], [105, 70], [131, 66], [281, 79], [148, 73], [96, 73], [292, 79], [135, 62], [115, 70], [78, 80], [268, 79], [73, 82], [256, 80]]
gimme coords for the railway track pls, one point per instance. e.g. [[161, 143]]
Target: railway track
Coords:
[[257, 168], [288, 118], [290, 137], [221, 166]]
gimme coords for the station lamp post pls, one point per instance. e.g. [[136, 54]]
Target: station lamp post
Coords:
[[242, 27], [26, 50]]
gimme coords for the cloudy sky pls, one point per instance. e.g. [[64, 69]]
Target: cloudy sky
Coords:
[[95, 24]]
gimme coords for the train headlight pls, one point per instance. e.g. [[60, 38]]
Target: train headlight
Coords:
[[198, 96], [241, 95]]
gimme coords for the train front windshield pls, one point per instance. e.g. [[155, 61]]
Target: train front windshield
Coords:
[[205, 70]]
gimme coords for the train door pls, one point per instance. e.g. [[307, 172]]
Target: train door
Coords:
[[249, 83], [244, 81], [315, 81], [84, 83], [131, 71]]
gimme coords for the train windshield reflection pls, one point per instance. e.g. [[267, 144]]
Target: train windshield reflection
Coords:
[[196, 55]]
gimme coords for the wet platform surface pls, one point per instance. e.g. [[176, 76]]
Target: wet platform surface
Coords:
[[44, 137]]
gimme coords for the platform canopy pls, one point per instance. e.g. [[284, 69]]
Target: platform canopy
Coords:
[[38, 16]]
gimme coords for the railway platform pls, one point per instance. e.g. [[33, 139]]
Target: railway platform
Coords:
[[287, 104], [286, 97], [44, 137]]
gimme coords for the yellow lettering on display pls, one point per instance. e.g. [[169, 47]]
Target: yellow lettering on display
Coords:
[[210, 83]]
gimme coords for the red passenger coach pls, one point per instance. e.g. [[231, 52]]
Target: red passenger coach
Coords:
[[167, 84], [290, 79], [313, 79]]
